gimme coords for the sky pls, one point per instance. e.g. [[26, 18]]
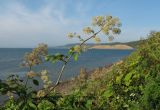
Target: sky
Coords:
[[26, 23]]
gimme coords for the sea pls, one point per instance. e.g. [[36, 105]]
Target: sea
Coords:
[[12, 58], [11, 63]]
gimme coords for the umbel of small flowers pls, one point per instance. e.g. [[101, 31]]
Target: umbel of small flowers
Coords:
[[31, 74], [35, 57], [46, 83], [45, 79], [108, 25], [40, 93]]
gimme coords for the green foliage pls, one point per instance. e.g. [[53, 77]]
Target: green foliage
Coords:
[[45, 105], [35, 82], [56, 57], [151, 97], [131, 85], [75, 57]]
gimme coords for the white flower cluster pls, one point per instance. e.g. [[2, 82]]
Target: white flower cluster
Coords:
[[98, 20], [97, 39], [70, 35], [40, 93], [31, 74], [88, 30], [45, 79]]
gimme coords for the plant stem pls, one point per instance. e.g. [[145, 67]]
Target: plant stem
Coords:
[[63, 67], [30, 68], [65, 64]]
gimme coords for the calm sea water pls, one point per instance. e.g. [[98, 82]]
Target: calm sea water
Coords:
[[10, 61]]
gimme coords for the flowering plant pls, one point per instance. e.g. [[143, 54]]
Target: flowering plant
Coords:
[[26, 98]]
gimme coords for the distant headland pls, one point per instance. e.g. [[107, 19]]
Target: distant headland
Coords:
[[117, 46], [114, 45]]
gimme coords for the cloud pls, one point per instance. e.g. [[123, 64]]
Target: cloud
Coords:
[[20, 26]]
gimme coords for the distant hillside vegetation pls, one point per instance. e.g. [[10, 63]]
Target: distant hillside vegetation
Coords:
[[132, 44]]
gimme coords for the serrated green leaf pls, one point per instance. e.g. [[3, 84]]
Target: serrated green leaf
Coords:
[[118, 78], [108, 93], [32, 106], [47, 58], [128, 76], [89, 104]]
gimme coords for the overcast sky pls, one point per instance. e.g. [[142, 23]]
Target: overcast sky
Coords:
[[25, 23]]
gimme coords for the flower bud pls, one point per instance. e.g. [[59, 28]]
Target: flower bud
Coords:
[[70, 35], [31, 74], [44, 72], [40, 93]]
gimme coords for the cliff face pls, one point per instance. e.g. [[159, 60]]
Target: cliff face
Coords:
[[118, 46]]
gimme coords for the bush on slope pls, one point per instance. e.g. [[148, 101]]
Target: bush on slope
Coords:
[[133, 84]]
